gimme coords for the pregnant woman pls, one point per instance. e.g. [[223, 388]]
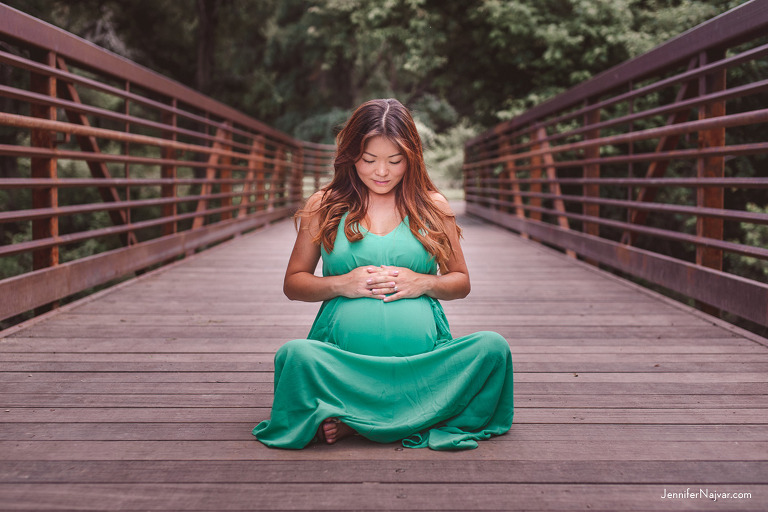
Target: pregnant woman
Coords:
[[380, 360]]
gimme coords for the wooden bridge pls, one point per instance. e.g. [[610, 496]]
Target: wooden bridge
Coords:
[[142, 394]]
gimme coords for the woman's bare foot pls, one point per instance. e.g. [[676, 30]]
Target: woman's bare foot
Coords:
[[332, 430]]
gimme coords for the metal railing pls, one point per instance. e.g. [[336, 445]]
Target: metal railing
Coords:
[[110, 168], [656, 168]]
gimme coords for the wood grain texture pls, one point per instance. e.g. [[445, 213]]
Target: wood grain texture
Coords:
[[145, 398]]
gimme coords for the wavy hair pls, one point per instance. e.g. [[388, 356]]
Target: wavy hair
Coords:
[[347, 192]]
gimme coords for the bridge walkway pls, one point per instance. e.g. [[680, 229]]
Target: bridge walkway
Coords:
[[143, 396]]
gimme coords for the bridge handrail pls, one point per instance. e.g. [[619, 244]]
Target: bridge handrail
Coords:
[[87, 132], [607, 149]]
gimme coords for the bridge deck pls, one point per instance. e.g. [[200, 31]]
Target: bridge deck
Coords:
[[144, 397]]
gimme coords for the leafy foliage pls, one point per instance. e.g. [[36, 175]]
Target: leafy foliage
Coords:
[[290, 62]]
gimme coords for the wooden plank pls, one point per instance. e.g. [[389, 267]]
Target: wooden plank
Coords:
[[558, 378], [520, 367], [403, 471], [363, 496], [511, 332], [629, 359], [204, 431], [361, 449], [80, 386], [264, 399], [248, 345], [139, 376], [639, 416], [494, 318]]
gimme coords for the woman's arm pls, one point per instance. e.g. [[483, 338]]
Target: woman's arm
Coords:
[[302, 284]]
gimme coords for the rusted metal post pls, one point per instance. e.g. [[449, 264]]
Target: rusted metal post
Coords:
[[44, 167], [485, 184], [226, 174], [258, 167], [630, 149], [297, 178], [131, 237], [248, 186], [508, 182], [658, 168], [277, 184], [210, 174], [591, 171], [710, 166], [316, 173], [554, 185], [506, 177], [537, 164], [169, 171], [91, 145]]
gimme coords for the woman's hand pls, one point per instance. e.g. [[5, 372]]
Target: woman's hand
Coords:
[[366, 281], [393, 283]]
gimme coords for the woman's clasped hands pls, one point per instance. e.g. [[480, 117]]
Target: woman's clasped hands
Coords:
[[385, 282]]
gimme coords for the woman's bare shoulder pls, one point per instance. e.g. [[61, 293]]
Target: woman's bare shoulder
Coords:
[[310, 213], [442, 203], [314, 201]]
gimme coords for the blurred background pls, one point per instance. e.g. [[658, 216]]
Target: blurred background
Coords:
[[302, 65]]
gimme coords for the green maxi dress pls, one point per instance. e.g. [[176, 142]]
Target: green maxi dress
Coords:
[[389, 370]]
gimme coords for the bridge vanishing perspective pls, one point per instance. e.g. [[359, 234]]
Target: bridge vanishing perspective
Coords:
[[142, 395]]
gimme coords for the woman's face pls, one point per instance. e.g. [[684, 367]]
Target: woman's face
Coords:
[[382, 165]]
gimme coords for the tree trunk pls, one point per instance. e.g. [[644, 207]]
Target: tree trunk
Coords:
[[208, 18]]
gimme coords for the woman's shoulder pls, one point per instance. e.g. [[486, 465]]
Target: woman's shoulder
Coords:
[[313, 203], [442, 203]]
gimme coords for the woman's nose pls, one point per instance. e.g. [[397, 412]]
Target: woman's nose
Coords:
[[381, 169]]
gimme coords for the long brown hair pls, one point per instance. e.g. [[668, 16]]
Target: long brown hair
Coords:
[[346, 191]]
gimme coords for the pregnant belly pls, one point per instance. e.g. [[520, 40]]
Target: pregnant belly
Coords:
[[372, 327]]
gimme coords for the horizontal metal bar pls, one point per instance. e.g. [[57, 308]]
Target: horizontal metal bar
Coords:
[[40, 287], [740, 119], [671, 108], [20, 121], [677, 154], [35, 33], [29, 152], [743, 297], [747, 250], [37, 183], [689, 104], [696, 102], [60, 211], [86, 156], [745, 183], [136, 99], [696, 211], [32, 97], [81, 108], [71, 238], [752, 54]]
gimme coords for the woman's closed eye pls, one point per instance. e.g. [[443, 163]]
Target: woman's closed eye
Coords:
[[373, 161]]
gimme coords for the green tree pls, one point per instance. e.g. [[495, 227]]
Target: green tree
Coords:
[[303, 64]]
